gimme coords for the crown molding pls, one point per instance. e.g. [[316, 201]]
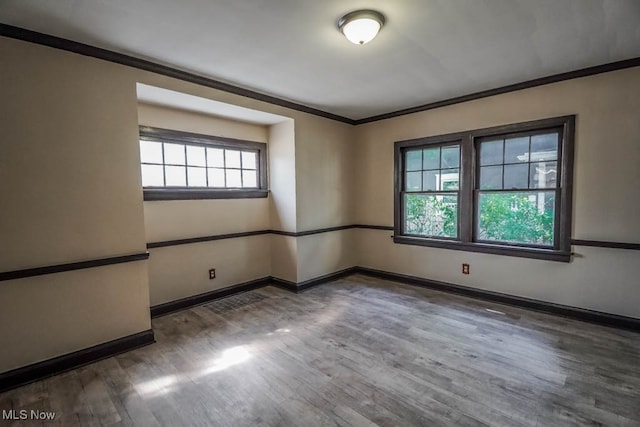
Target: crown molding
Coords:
[[142, 64]]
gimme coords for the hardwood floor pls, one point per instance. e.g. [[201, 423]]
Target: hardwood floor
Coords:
[[358, 351]]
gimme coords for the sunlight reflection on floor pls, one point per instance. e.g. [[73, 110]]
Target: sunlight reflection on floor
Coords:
[[157, 387], [230, 357], [164, 385]]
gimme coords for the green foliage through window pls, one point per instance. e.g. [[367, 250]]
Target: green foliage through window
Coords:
[[512, 217], [504, 190], [525, 217], [432, 215]]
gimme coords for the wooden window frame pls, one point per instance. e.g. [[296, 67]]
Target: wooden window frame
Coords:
[[467, 205], [196, 193]]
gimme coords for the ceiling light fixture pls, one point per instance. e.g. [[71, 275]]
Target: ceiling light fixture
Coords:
[[361, 26]]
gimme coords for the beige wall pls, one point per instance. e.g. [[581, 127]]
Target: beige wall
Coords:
[[177, 272], [606, 199], [165, 117], [282, 176], [324, 176], [320, 254], [69, 173], [46, 316], [284, 257], [324, 173], [71, 191], [179, 219], [282, 199]]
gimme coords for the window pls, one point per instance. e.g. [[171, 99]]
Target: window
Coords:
[[432, 180], [180, 165], [503, 190]]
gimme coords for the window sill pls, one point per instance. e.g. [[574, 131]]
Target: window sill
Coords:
[[160, 194], [544, 254]]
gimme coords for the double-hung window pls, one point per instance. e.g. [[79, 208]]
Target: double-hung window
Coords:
[[503, 190], [178, 165], [431, 190]]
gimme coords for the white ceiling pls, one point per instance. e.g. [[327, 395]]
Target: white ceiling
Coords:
[[429, 50], [169, 98]]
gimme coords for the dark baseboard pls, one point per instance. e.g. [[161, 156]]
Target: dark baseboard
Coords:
[[303, 286], [60, 364], [184, 303], [48, 368], [591, 316], [181, 304], [284, 284]]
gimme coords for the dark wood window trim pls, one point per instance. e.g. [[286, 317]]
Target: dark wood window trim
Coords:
[[561, 250], [195, 193]]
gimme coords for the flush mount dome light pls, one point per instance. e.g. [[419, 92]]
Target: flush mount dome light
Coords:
[[361, 26]]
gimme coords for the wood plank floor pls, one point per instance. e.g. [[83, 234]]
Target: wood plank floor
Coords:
[[358, 351]]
